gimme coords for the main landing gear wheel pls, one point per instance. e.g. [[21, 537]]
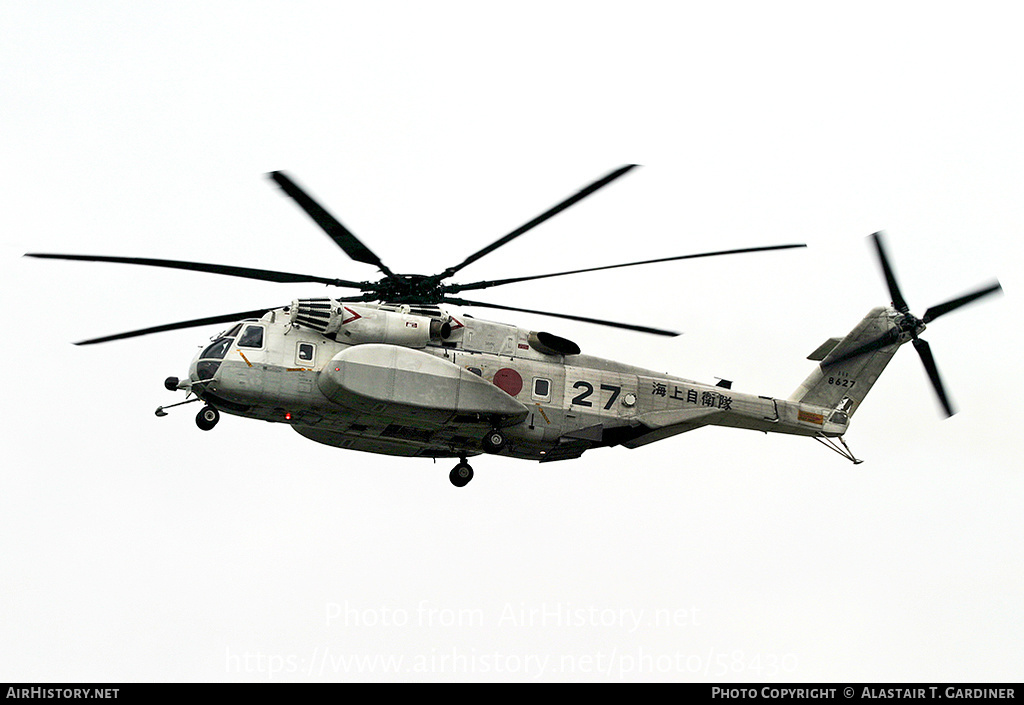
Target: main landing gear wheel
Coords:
[[207, 418], [461, 474], [494, 441]]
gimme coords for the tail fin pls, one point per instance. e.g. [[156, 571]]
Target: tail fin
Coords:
[[842, 380], [849, 367]]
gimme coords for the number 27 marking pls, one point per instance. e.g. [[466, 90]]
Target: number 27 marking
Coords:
[[588, 389]]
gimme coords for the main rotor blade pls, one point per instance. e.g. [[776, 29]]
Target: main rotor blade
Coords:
[[925, 351], [613, 324], [953, 304], [550, 213], [501, 282], [890, 278], [244, 272], [341, 235], [226, 318]]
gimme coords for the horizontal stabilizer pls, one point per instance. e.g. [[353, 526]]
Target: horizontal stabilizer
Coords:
[[824, 349]]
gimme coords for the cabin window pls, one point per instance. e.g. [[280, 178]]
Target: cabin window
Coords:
[[305, 353], [252, 337], [541, 388]]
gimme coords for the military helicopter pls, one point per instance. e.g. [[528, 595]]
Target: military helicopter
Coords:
[[390, 370]]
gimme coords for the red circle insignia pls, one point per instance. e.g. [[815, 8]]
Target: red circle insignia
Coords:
[[509, 381]]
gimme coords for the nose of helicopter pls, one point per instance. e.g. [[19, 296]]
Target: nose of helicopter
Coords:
[[206, 363], [202, 372]]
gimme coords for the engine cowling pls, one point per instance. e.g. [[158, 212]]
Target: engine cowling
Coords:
[[354, 324]]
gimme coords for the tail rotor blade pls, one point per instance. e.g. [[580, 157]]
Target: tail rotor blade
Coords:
[[890, 278], [925, 351], [953, 304]]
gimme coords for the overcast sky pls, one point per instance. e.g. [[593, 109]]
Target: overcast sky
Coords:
[[139, 548]]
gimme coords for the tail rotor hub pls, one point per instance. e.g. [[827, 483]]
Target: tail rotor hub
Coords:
[[910, 326]]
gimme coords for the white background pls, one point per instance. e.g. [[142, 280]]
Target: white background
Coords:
[[141, 549]]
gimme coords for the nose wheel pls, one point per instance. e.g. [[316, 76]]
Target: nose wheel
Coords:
[[461, 474], [207, 418]]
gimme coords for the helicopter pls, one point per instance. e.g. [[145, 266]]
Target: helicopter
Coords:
[[391, 370]]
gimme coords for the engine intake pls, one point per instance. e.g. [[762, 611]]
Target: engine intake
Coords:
[[354, 324]]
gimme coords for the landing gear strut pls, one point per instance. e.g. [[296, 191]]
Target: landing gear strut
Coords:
[[461, 474], [207, 418]]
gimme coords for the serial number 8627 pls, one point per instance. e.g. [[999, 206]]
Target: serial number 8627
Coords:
[[841, 381]]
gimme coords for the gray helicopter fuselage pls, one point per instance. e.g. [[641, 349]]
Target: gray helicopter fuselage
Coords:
[[411, 379], [400, 381]]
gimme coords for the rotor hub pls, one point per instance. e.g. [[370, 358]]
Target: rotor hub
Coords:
[[910, 326], [408, 289]]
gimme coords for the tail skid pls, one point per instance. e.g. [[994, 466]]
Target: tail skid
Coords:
[[845, 451]]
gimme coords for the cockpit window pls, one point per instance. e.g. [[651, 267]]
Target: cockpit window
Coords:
[[234, 331], [217, 349], [252, 337]]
